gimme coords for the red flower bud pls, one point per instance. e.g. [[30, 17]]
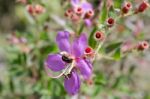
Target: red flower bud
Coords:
[[88, 14], [110, 22], [79, 11], [142, 7], [89, 53], [127, 6], [88, 50], [68, 13], [39, 9], [99, 35], [30, 9], [142, 46]]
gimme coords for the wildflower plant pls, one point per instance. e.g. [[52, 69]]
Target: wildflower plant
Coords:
[[78, 48]]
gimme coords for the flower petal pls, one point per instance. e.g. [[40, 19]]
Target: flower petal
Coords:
[[54, 62], [75, 2], [72, 84], [86, 6], [62, 39], [85, 68], [79, 45], [88, 22]]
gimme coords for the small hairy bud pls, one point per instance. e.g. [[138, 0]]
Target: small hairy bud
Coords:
[[89, 14], [68, 13], [39, 9], [142, 46], [143, 6], [30, 9], [79, 11], [126, 7], [110, 22], [99, 35]]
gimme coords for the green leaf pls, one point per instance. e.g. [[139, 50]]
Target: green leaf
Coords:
[[117, 54], [118, 3], [100, 79], [111, 47], [104, 13], [92, 41]]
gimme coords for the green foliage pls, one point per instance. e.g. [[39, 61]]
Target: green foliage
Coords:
[[103, 14]]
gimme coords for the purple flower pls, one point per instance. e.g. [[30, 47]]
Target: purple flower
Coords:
[[70, 59]]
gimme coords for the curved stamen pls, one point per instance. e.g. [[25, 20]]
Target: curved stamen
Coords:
[[65, 72], [51, 75]]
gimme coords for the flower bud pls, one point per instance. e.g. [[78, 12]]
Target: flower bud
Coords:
[[68, 13], [39, 9], [30, 9], [127, 6], [142, 46], [89, 14], [110, 22], [88, 50], [99, 36], [79, 11], [143, 6], [89, 53]]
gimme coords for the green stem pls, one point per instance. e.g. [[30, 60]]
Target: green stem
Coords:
[[81, 29]]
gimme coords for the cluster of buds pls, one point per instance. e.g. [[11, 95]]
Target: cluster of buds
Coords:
[[35, 9], [126, 7], [142, 7], [20, 42], [76, 13], [142, 46], [13, 39]]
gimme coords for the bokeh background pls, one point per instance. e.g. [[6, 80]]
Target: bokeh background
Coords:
[[22, 74]]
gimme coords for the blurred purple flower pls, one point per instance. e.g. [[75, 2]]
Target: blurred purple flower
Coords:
[[58, 62]]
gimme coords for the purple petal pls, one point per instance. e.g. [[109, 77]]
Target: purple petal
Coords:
[[86, 6], [54, 62], [87, 22], [62, 40], [79, 45], [75, 2], [72, 84], [85, 68]]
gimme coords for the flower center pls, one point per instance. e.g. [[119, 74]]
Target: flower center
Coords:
[[66, 57]]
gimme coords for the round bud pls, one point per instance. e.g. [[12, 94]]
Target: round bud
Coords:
[[39, 9], [99, 35], [142, 7], [30, 9], [79, 11], [88, 50], [110, 22], [127, 6], [68, 13], [89, 14], [142, 46]]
